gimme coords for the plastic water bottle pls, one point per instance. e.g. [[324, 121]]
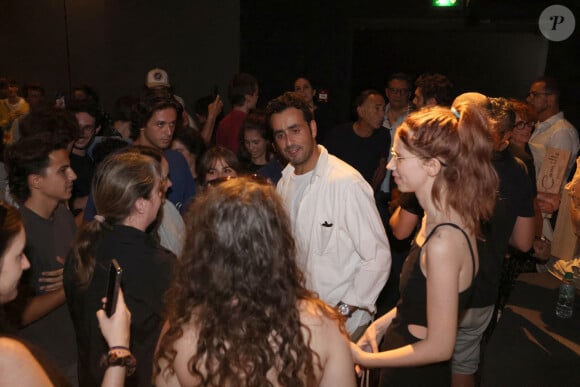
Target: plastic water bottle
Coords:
[[565, 304]]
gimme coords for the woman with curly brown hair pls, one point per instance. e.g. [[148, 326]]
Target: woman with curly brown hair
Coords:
[[239, 314]]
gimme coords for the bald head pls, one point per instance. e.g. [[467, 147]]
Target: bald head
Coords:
[[472, 97]]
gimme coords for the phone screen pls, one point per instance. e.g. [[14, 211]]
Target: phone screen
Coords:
[[115, 274]]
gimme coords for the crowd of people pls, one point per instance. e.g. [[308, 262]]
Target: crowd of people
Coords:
[[273, 245]]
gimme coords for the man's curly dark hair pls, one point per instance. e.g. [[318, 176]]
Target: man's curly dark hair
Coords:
[[149, 103], [28, 156]]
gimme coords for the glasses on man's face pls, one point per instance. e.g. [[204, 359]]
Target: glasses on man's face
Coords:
[[394, 90], [523, 124], [534, 94]]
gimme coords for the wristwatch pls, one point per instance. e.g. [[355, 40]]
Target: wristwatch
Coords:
[[345, 309]]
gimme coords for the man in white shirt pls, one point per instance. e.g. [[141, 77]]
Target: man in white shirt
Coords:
[[552, 131], [343, 249]]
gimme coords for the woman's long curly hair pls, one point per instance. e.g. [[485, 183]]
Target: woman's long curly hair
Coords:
[[238, 285]]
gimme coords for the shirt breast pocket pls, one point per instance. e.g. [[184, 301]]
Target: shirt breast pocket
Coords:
[[327, 238]]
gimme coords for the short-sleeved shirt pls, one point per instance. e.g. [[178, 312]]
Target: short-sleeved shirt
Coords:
[[362, 153], [45, 240]]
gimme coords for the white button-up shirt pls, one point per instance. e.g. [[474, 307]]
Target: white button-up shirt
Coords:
[[343, 249], [555, 132]]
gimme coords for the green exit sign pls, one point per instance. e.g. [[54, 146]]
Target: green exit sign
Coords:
[[445, 3]]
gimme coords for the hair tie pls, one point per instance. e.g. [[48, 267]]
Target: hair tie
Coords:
[[100, 218], [455, 112]]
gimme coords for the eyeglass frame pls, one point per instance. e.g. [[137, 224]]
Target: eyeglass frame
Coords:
[[397, 158], [520, 124], [534, 94], [402, 91]]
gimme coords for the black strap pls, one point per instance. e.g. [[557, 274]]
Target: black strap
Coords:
[[464, 234]]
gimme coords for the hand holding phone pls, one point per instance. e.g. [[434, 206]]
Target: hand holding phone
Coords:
[[113, 285], [116, 329]]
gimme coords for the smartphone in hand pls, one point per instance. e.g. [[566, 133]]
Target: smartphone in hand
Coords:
[[115, 275]]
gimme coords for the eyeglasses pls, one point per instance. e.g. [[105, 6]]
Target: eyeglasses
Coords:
[[398, 158], [534, 94], [522, 124], [394, 90]]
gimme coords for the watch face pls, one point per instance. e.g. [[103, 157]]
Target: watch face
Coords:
[[343, 309]]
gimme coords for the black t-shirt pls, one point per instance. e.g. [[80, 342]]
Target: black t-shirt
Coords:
[[363, 153], [325, 120], [146, 275], [526, 157], [515, 200]]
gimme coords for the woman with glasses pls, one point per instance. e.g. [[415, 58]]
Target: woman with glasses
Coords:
[[444, 156], [238, 313], [521, 133], [526, 118]]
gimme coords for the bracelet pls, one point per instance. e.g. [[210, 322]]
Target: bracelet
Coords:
[[112, 359]]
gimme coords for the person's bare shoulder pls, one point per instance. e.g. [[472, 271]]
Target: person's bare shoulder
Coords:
[[178, 374], [331, 345], [18, 366]]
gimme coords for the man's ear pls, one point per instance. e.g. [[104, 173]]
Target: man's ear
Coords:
[[431, 101], [97, 130], [433, 166], [34, 181], [313, 128], [507, 135]]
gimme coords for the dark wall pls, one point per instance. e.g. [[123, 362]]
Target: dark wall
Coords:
[[487, 61], [112, 44], [493, 46], [284, 39], [344, 45]]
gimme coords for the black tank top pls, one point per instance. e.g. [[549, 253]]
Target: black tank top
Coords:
[[412, 305]]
